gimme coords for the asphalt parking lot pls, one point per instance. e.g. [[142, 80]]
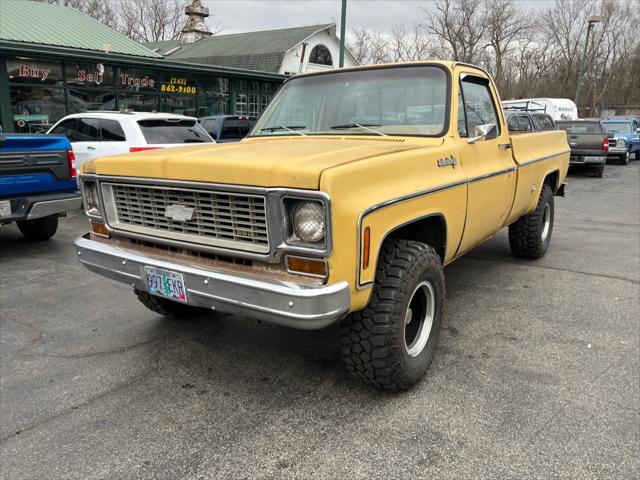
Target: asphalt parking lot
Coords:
[[537, 374]]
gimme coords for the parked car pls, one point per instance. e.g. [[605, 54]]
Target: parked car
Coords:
[[518, 121], [96, 134], [227, 128], [557, 108], [624, 138], [37, 182], [317, 217], [589, 144]]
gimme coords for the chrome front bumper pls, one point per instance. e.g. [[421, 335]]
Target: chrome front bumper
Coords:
[[284, 303]]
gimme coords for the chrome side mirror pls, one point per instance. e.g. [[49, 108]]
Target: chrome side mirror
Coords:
[[483, 132]]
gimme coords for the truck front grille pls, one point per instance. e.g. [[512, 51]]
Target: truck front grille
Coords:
[[222, 219]]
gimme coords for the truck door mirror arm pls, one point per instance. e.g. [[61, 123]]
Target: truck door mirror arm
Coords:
[[486, 131]]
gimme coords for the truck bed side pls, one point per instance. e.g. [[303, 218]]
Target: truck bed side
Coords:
[[537, 156]]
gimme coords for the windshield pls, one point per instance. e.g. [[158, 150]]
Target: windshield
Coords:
[[171, 131], [382, 101], [617, 126]]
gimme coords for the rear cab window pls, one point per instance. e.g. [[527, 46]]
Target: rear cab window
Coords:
[[579, 128], [158, 131], [236, 128]]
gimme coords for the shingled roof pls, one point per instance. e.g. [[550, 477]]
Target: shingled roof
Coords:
[[263, 50]]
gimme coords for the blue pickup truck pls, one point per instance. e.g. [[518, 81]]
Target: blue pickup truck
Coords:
[[37, 182], [624, 137]]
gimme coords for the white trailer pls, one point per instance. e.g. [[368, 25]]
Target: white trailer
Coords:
[[558, 108]]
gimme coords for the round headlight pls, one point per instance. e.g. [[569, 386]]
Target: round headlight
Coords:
[[308, 221]]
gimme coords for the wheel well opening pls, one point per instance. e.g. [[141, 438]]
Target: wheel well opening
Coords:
[[431, 230], [552, 180]]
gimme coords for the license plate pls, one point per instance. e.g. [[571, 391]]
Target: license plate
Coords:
[[5, 208], [576, 159], [592, 159], [166, 284]]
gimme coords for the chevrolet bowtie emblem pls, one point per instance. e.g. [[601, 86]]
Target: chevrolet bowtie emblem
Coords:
[[179, 213]]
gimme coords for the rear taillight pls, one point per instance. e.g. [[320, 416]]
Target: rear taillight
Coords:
[[72, 163], [605, 144], [142, 149]]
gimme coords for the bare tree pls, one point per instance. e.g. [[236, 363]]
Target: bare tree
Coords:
[[151, 20], [459, 25], [370, 47], [105, 11]]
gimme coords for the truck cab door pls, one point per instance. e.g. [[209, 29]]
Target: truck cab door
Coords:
[[486, 162]]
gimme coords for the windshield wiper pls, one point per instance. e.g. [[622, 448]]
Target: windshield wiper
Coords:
[[360, 125], [290, 128]]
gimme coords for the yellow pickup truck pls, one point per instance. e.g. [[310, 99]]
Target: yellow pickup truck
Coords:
[[351, 193]]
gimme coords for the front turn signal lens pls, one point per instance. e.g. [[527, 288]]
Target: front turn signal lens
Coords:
[[100, 229], [307, 266]]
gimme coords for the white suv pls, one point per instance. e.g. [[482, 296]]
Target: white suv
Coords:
[[96, 134]]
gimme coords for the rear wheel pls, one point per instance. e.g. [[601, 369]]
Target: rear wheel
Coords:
[[39, 229], [167, 307], [530, 236], [599, 173], [391, 343]]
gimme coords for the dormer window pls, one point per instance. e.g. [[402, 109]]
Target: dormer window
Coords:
[[321, 55]]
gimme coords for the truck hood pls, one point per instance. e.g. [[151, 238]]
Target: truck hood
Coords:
[[296, 162]]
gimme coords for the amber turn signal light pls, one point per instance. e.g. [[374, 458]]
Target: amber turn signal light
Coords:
[[99, 229], [366, 247], [307, 266]]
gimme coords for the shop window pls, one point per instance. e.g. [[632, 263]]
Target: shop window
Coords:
[[34, 71], [254, 86], [180, 104], [265, 101], [86, 100], [213, 98], [89, 74], [320, 55], [254, 105], [241, 104], [138, 90], [36, 108]]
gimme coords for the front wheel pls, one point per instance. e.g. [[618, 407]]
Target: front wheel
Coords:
[[391, 343], [39, 229], [530, 236], [624, 159]]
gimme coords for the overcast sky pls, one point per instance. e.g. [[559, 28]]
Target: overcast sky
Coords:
[[248, 15]]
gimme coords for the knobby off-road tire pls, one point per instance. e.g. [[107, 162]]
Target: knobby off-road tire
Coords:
[[39, 229], [377, 343], [167, 307], [529, 236]]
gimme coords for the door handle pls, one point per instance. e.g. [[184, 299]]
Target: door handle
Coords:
[[91, 148], [506, 146]]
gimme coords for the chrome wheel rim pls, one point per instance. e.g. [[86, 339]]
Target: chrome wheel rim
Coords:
[[418, 318], [546, 222]]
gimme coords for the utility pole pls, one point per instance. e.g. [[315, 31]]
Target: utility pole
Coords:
[[593, 19], [343, 32]]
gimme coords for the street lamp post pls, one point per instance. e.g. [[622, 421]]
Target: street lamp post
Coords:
[[343, 31], [593, 19]]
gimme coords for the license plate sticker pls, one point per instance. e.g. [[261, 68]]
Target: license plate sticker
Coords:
[[164, 283], [5, 208]]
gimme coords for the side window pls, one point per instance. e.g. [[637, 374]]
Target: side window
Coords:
[[210, 126], [512, 123], [88, 130], [112, 131], [67, 128], [478, 103], [524, 124], [462, 117]]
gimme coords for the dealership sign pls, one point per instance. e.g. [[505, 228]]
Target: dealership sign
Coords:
[[30, 71]]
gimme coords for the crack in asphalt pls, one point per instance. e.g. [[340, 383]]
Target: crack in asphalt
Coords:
[[559, 269], [73, 408], [38, 335]]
